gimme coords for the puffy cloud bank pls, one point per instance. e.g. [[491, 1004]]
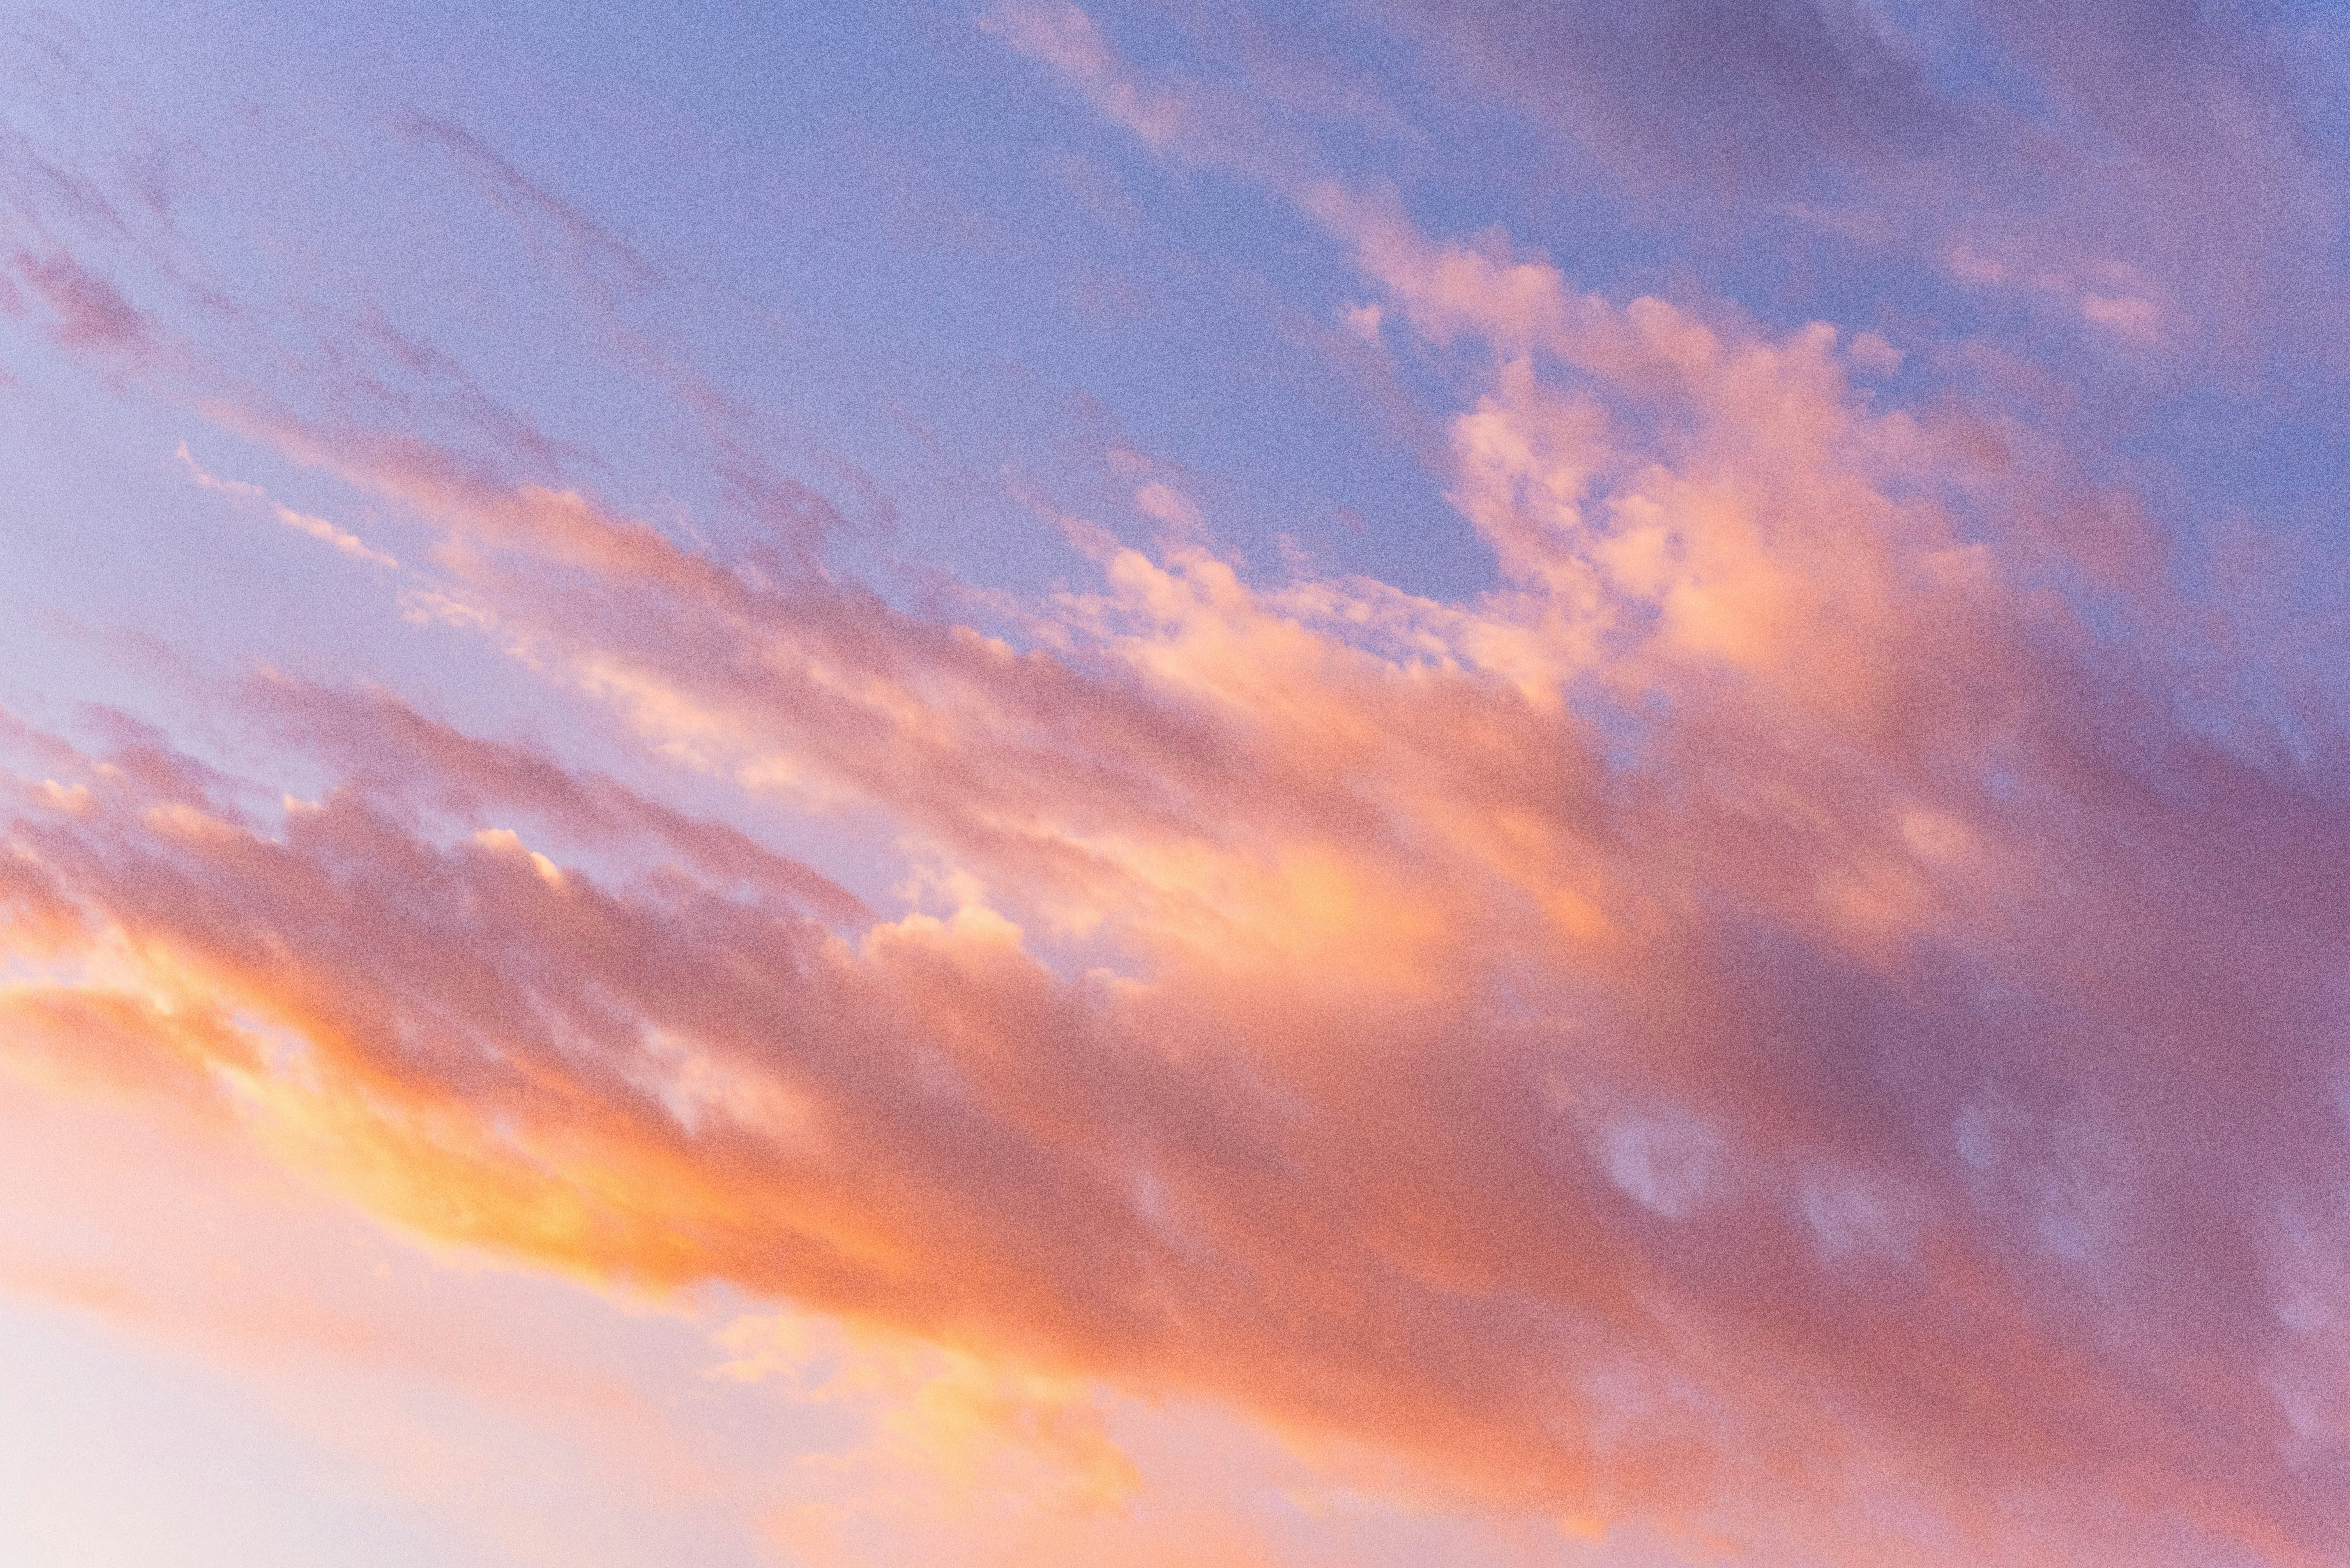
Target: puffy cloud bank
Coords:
[[1812, 1012]]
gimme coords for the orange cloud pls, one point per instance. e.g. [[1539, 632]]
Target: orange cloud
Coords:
[[1764, 1027], [1628, 1047]]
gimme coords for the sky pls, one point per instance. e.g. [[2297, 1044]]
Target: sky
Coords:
[[1554, 782]]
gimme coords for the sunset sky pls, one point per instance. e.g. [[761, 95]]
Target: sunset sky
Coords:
[[1175, 781]]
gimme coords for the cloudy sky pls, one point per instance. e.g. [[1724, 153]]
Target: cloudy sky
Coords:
[[992, 781]]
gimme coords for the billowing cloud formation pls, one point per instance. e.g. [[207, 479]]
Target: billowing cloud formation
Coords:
[[1815, 998]]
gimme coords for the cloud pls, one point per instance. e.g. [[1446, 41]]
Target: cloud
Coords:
[[1762, 1004], [90, 310], [592, 245], [2174, 140], [1752, 91], [1774, 1026], [317, 528], [383, 737]]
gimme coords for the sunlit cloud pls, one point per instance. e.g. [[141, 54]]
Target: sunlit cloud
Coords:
[[1797, 1019]]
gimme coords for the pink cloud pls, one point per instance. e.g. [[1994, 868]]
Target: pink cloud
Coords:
[[592, 246], [1812, 1084], [1688, 89], [90, 311], [1766, 1027], [2171, 139]]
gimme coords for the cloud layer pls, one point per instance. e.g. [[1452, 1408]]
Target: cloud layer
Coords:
[[1807, 1018]]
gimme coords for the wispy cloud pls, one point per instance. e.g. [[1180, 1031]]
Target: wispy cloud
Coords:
[[592, 243], [317, 528]]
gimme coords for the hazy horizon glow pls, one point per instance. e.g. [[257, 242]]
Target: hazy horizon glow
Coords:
[[1367, 781]]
